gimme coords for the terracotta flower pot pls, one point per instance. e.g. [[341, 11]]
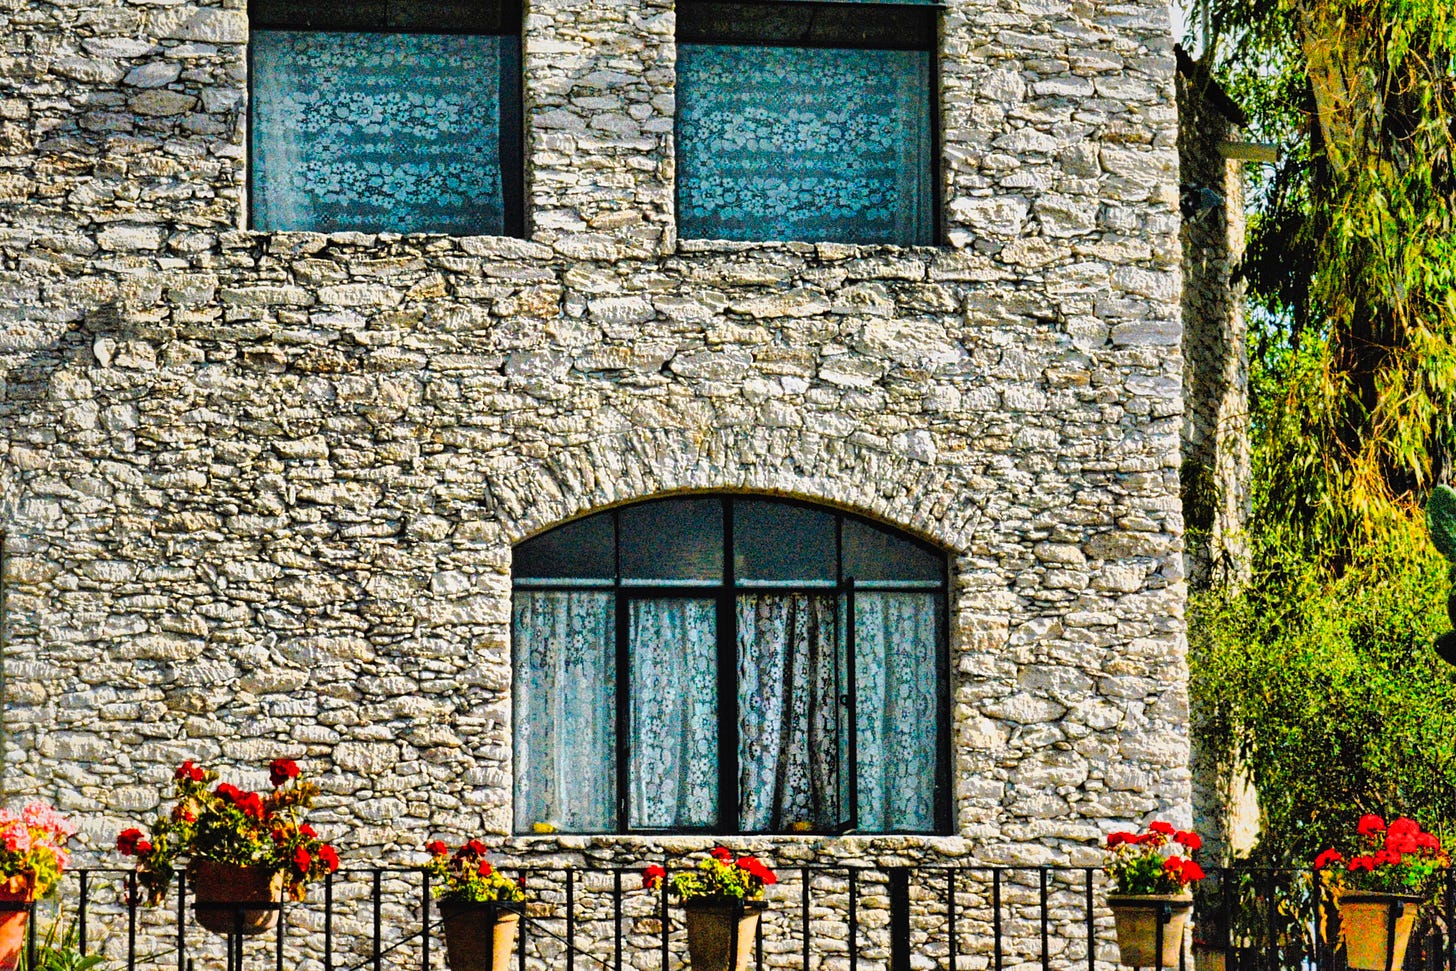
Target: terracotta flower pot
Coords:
[[17, 891], [479, 936], [222, 892], [1375, 928], [1208, 957], [1137, 918], [714, 924]]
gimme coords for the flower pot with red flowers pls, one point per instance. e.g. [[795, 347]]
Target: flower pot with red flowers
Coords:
[[244, 852], [722, 899], [480, 907], [1378, 889], [32, 857], [1150, 898]]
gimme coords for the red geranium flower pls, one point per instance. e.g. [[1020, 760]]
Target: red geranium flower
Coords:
[[1188, 839], [143, 847], [126, 841], [1328, 858], [330, 856], [652, 876], [1192, 871], [188, 771], [722, 853], [476, 848], [281, 771], [1360, 863], [1161, 828], [485, 868], [1403, 826], [301, 859], [1115, 840], [1370, 824], [308, 831], [753, 866], [437, 848]]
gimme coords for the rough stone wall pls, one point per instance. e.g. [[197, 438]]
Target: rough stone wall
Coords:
[[1215, 473], [260, 490], [1216, 370]]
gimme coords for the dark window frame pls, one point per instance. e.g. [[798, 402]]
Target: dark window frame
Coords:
[[724, 592], [328, 16], [689, 30]]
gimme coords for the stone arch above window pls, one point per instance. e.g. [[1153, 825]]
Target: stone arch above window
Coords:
[[730, 664]]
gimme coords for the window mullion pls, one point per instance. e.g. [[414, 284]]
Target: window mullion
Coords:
[[728, 821], [852, 656]]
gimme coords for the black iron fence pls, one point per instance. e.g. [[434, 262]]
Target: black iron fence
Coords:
[[821, 918]]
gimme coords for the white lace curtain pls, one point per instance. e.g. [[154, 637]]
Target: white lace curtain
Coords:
[[565, 710], [793, 728]]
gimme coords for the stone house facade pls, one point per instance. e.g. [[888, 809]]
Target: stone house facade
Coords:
[[261, 487]]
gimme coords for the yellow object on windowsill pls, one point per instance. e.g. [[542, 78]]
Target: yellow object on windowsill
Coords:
[[801, 826], [543, 828]]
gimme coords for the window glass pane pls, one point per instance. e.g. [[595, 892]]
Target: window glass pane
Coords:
[[783, 143], [874, 554], [673, 539], [378, 132], [884, 27], [565, 710], [779, 541], [790, 719], [442, 16], [674, 714], [897, 687], [580, 550]]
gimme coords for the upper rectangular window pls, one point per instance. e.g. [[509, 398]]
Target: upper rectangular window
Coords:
[[806, 121], [386, 116]]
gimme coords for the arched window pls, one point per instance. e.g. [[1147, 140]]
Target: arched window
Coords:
[[729, 664]]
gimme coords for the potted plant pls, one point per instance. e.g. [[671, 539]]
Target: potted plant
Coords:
[[1378, 889], [1150, 893], [480, 906], [32, 857], [241, 847], [723, 898]]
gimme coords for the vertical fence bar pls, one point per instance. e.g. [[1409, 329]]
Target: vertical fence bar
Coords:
[[1091, 920], [1161, 914], [1319, 923], [1225, 890], [329, 922], [521, 936], [666, 918], [853, 920], [899, 918], [131, 909], [1272, 950], [425, 919], [950, 918], [81, 915], [996, 914], [617, 920], [378, 927], [1046, 957], [758, 943], [570, 920], [1449, 951], [805, 875], [278, 945], [182, 921], [30, 941]]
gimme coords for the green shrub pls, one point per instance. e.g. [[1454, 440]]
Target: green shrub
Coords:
[[1330, 692]]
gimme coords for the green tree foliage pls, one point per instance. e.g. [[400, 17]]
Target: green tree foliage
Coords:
[[1351, 260], [1328, 690], [1321, 675]]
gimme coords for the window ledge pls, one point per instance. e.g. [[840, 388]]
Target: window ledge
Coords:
[[823, 251], [857, 845]]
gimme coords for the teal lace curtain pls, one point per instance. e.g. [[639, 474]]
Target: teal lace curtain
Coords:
[[814, 144], [790, 678], [896, 712], [565, 710], [378, 131], [674, 711]]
